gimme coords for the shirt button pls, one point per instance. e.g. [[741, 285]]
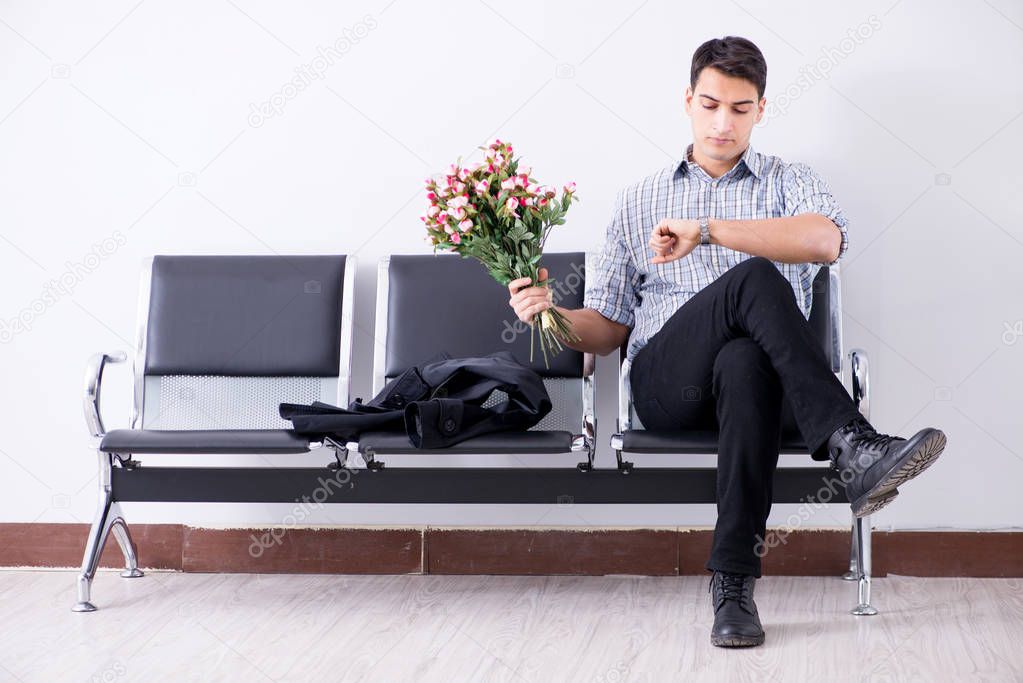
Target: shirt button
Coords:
[[449, 425]]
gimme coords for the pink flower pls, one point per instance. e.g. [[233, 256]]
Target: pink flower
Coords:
[[459, 187], [482, 186], [465, 225], [452, 170], [511, 205], [431, 195], [458, 202], [433, 211], [456, 238], [570, 188], [459, 214], [442, 217]]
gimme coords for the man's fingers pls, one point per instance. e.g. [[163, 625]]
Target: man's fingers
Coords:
[[666, 258], [517, 284], [529, 312]]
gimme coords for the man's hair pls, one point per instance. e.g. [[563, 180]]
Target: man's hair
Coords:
[[733, 56]]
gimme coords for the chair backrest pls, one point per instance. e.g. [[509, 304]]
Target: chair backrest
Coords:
[[433, 303], [222, 340], [825, 320]]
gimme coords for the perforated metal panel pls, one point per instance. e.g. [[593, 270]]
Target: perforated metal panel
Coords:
[[566, 400], [219, 402]]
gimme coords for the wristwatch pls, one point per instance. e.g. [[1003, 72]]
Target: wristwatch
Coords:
[[704, 230]]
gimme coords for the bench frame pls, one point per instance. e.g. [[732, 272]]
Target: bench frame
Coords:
[[124, 479]]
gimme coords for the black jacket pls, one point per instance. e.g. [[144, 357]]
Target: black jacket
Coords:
[[437, 403]]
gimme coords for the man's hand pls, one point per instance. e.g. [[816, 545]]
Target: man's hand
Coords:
[[674, 238], [528, 301]]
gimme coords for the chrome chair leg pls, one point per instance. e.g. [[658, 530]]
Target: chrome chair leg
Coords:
[[862, 529], [131, 563], [852, 575], [93, 549], [108, 519]]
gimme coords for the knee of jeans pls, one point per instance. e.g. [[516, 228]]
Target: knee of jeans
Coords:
[[739, 359], [762, 266]]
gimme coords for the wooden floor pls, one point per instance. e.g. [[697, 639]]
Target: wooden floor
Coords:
[[246, 627]]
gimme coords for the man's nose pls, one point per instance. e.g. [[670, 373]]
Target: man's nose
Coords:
[[723, 122]]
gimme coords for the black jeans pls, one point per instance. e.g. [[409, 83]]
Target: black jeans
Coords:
[[740, 358]]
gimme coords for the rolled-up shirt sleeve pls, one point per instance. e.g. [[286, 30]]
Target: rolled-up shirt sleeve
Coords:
[[807, 192], [611, 289]]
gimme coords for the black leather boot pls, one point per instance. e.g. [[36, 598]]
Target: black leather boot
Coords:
[[874, 465], [736, 622]]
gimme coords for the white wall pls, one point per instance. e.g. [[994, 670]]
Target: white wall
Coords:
[[132, 123]]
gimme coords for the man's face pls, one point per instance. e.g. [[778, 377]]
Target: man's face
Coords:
[[724, 110]]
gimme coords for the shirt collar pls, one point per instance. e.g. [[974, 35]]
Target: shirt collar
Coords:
[[750, 158]]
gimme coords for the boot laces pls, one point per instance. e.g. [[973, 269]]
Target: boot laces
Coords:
[[864, 435], [733, 587]]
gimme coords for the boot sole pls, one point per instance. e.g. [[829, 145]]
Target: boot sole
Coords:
[[930, 444], [737, 641]]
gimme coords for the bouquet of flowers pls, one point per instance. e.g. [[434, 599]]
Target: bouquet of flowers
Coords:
[[499, 215]]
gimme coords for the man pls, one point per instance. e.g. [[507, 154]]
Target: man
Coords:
[[710, 264]]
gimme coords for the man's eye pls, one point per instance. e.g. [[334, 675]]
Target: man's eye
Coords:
[[741, 111], [706, 107]]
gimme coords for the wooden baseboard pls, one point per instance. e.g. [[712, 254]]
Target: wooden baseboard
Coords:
[[532, 550]]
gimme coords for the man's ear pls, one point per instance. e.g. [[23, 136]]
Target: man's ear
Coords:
[[687, 98], [761, 106]]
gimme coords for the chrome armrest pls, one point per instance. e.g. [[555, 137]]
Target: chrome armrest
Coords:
[[589, 425], [860, 381], [835, 305], [93, 382], [624, 398]]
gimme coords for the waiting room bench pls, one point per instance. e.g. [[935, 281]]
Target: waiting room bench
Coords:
[[223, 340]]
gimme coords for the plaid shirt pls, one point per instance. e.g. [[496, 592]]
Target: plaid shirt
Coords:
[[628, 289]]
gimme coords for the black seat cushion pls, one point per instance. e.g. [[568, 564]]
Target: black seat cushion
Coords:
[[533, 441], [694, 441], [255, 441]]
